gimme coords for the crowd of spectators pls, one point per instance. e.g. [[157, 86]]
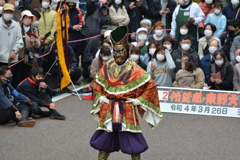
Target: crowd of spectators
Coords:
[[172, 40]]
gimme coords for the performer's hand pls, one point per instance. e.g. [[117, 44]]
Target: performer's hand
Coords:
[[134, 101], [103, 99]]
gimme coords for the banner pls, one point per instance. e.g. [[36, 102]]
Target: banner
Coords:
[[200, 102]]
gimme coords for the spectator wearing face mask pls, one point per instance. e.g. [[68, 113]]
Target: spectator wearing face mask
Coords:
[[118, 14], [184, 30], [231, 10], [97, 63], [207, 7], [142, 43], [162, 10], [221, 64], [75, 27], [47, 22], [185, 48], [30, 44], [11, 38], [237, 58], [235, 46], [236, 72], [168, 42], [161, 67], [54, 4], [150, 51], [17, 13], [203, 44], [218, 19], [159, 32], [186, 11], [208, 59], [228, 37], [2, 2], [135, 55]]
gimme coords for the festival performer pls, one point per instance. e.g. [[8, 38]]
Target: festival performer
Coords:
[[121, 87]]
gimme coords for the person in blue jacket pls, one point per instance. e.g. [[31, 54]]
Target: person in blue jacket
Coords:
[[13, 105], [218, 19], [231, 10], [208, 59]]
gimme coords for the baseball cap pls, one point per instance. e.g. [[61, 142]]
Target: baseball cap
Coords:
[[8, 6]]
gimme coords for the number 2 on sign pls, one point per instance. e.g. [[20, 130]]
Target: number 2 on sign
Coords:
[[163, 95]]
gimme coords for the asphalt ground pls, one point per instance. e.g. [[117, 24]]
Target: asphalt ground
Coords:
[[177, 137]]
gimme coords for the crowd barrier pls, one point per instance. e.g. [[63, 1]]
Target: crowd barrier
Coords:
[[199, 102]]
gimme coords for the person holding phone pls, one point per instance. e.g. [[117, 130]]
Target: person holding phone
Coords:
[[161, 67]]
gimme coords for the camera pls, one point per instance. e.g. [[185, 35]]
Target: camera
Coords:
[[30, 52]]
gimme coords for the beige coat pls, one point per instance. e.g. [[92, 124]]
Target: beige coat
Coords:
[[198, 81], [95, 67], [203, 42], [119, 18]]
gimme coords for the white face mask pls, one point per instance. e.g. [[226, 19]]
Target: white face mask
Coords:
[[183, 31], [181, 2], [45, 4], [134, 57], [7, 16], [158, 32], [212, 50], [16, 4], [185, 47], [142, 37], [234, 2], [238, 59], [208, 33], [1, 9], [27, 22], [106, 58], [160, 57], [169, 47], [209, 1], [118, 2], [219, 63], [35, 24], [217, 11], [152, 51]]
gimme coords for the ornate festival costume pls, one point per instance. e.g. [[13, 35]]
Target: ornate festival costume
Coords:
[[118, 125]]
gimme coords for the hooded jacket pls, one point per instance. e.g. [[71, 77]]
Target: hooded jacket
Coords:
[[185, 78], [10, 40], [231, 12]]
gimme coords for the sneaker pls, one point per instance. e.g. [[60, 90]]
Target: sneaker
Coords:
[[29, 123], [56, 115]]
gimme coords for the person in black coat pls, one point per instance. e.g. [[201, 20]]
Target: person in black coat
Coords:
[[13, 105], [228, 37], [163, 12], [221, 65], [135, 10], [40, 93]]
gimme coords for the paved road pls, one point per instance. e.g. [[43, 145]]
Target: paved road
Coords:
[[178, 137]]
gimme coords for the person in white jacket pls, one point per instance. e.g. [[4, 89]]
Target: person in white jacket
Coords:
[[10, 38], [186, 11], [118, 14]]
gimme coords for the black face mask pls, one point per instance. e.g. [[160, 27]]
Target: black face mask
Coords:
[[39, 80], [9, 79], [72, 7], [231, 33]]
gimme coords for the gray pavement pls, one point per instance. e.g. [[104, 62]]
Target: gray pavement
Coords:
[[177, 137]]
